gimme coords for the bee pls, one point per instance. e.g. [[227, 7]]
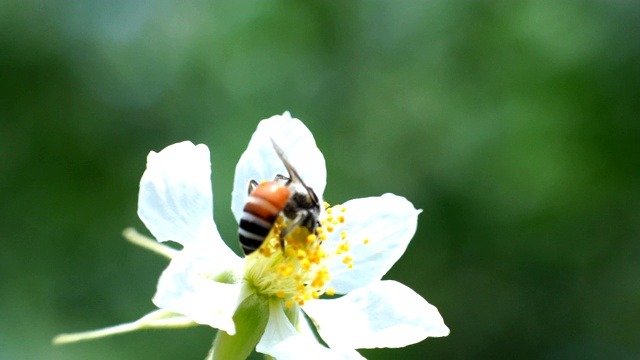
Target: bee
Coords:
[[287, 196]]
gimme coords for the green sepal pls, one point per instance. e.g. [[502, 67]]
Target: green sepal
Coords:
[[229, 276], [293, 314], [250, 319]]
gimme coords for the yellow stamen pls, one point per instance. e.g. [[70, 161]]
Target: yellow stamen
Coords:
[[305, 264], [298, 273]]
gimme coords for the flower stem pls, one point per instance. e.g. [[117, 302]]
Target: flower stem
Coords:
[[148, 243], [155, 320]]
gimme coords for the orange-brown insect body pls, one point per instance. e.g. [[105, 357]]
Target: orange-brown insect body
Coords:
[[292, 198], [263, 207]]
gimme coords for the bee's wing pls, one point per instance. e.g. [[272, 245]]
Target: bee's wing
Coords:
[[293, 174]]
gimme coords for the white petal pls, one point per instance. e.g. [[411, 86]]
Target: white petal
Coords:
[[186, 287], [260, 161], [305, 329], [175, 200], [384, 314], [388, 222], [283, 342]]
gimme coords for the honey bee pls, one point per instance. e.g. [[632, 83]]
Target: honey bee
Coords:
[[288, 196]]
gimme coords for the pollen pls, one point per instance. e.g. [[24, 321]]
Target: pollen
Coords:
[[342, 248], [288, 271], [299, 273], [347, 260], [366, 241], [305, 264]]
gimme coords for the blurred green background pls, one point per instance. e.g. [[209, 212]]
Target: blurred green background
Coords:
[[514, 125]]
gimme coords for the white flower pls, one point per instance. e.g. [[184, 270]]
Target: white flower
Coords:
[[259, 300]]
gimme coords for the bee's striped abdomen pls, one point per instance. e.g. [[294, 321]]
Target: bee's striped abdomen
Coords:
[[260, 212]]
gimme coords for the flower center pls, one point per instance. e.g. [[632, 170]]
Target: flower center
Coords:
[[299, 273]]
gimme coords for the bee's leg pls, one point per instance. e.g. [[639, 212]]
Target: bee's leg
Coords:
[[252, 186], [315, 230], [301, 217]]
